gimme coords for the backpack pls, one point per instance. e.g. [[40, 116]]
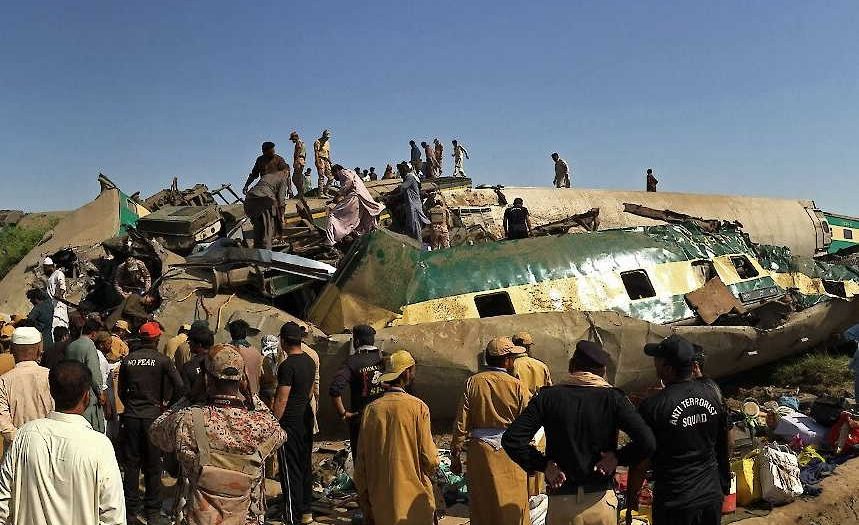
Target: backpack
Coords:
[[222, 491], [826, 410]]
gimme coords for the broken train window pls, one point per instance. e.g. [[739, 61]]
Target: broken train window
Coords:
[[744, 267], [638, 285], [848, 234], [494, 304], [836, 288]]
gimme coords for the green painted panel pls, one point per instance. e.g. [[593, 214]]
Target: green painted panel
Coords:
[[836, 246], [838, 220], [411, 275], [390, 271], [127, 214]]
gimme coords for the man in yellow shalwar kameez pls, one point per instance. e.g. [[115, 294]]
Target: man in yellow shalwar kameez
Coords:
[[397, 456], [493, 398], [534, 374]]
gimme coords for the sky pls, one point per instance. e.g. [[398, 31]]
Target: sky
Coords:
[[751, 97]]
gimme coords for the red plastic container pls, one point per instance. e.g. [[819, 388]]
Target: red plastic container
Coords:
[[729, 504]]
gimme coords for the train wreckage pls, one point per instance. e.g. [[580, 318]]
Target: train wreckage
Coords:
[[608, 266]]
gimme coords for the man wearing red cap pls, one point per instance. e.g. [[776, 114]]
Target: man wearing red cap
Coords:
[[145, 378]]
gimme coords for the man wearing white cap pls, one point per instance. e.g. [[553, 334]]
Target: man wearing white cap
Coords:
[[57, 291], [398, 458], [24, 391]]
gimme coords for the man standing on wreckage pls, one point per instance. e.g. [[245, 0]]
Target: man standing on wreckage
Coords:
[[352, 209]]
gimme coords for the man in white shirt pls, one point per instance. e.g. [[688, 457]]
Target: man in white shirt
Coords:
[[59, 470], [56, 290], [24, 391]]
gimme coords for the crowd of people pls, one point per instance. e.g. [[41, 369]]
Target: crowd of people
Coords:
[[352, 209], [85, 416]]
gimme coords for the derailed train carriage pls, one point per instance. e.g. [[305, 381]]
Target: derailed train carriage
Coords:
[[747, 304]]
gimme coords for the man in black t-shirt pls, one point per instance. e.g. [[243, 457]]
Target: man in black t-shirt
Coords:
[[295, 380], [690, 467], [200, 342], [517, 221]]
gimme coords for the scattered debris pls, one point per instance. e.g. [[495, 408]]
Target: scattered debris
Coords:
[[588, 221]]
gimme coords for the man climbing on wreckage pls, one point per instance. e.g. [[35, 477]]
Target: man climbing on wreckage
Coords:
[[353, 210], [265, 203]]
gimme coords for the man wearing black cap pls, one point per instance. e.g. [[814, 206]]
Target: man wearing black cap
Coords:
[[581, 417], [265, 203], [690, 467], [360, 373]]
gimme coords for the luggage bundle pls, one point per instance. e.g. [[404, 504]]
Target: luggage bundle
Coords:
[[779, 475], [770, 474]]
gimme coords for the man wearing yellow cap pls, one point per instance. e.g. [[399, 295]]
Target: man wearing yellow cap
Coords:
[[5, 340], [534, 374], [493, 398], [118, 347], [397, 455]]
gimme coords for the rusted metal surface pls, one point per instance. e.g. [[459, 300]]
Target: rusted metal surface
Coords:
[[782, 222]]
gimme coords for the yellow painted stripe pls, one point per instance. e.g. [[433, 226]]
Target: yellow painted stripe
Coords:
[[604, 291], [838, 233]]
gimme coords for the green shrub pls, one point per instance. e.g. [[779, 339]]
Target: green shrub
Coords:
[[17, 242], [815, 371]]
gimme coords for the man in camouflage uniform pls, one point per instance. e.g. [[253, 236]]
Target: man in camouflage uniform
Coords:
[[439, 155], [299, 160], [322, 158], [440, 222], [221, 446], [132, 277]]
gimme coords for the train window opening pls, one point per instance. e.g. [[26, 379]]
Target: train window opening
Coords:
[[848, 234], [637, 284], [835, 288], [705, 269], [744, 267], [494, 304]]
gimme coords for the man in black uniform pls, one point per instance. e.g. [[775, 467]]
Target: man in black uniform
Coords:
[[145, 378], [200, 341], [690, 467], [360, 373], [581, 417], [295, 379], [517, 221]]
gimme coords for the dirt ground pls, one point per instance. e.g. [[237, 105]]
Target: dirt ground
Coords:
[[837, 505]]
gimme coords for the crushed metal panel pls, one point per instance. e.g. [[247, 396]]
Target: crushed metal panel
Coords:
[[449, 352], [219, 255], [713, 300]]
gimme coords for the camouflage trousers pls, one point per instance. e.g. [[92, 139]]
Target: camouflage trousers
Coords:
[[439, 237]]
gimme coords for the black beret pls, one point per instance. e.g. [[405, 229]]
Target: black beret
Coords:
[[591, 354]]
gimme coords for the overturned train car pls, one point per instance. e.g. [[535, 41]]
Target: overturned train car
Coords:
[[746, 304]]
